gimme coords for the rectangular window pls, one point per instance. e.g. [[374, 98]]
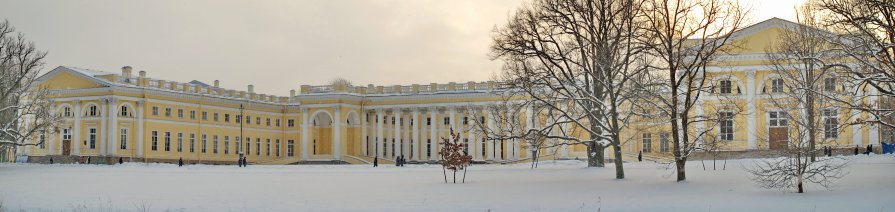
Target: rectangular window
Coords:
[[179, 142], [267, 122], [647, 142], [428, 147], [278, 122], [248, 145], [238, 145], [465, 120], [447, 121], [726, 128], [831, 123], [92, 136], [290, 148], [226, 144], [778, 118], [204, 143], [214, 144], [167, 112], [268, 147], [227, 118], [215, 116], [66, 134], [725, 86], [67, 112], [257, 146], [238, 118], [277, 148], [123, 143], [154, 140], [830, 84], [290, 123], [663, 142], [179, 113], [204, 115], [193, 114], [258, 120], [168, 141], [192, 142], [428, 121], [42, 140], [777, 86], [154, 110], [248, 119]]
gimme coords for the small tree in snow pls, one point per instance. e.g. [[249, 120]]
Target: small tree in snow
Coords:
[[453, 156]]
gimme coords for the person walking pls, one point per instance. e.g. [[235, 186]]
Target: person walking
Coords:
[[245, 161], [640, 156], [376, 161], [120, 160], [856, 149], [180, 162], [51, 160]]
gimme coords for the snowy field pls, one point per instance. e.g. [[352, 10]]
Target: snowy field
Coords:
[[555, 186]]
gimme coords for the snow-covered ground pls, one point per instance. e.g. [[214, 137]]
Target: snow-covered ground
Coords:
[[554, 186]]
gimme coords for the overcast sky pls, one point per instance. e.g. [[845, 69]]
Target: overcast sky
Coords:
[[279, 45]]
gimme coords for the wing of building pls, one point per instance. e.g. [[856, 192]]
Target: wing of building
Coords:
[[108, 116]]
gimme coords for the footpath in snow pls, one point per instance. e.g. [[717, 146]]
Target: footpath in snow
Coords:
[[554, 186]]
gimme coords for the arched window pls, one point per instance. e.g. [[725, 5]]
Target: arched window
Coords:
[[66, 111], [124, 111], [92, 111]]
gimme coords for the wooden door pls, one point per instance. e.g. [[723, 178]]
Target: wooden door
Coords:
[[779, 136], [66, 147]]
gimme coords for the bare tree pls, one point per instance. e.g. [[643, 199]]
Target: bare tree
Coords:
[[807, 95], [25, 109], [684, 36], [866, 35], [573, 60]]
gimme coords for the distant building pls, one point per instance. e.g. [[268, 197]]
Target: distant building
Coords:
[[111, 115]]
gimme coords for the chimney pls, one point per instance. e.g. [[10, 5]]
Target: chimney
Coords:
[[292, 93], [142, 74], [251, 89], [217, 83], [126, 71]]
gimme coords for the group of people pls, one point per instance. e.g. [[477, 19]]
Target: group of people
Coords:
[[867, 152], [400, 161], [243, 162], [828, 151]]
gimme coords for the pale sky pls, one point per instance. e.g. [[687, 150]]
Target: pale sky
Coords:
[[279, 45]]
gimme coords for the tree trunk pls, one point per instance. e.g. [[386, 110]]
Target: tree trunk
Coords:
[[681, 174], [595, 155], [443, 171], [464, 174], [619, 167], [455, 177]]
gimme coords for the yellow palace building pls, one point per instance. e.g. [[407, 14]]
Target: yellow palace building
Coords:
[[108, 116]]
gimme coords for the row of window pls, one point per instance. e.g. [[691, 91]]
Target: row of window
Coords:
[[93, 110], [447, 120], [238, 148], [777, 86], [217, 117], [428, 147]]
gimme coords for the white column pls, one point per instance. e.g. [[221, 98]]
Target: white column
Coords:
[[405, 136], [416, 134], [337, 130], [51, 140], [304, 133], [752, 132], [873, 132], [363, 133], [103, 125], [389, 129], [470, 132], [490, 149], [433, 132], [399, 145], [113, 127], [139, 128], [380, 138], [856, 129], [700, 126], [76, 134]]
